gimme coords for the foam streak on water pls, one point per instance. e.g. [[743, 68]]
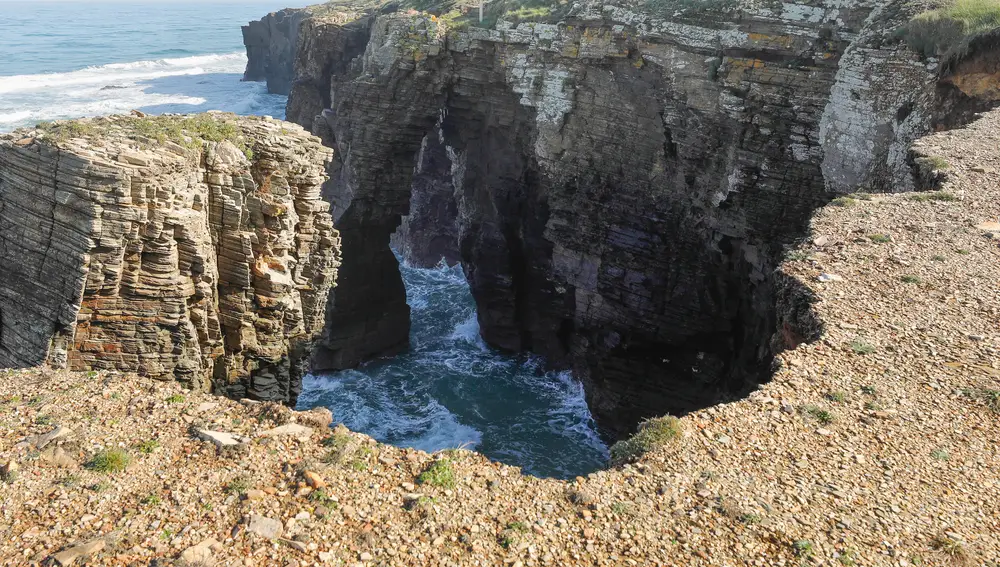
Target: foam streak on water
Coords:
[[181, 85], [451, 390]]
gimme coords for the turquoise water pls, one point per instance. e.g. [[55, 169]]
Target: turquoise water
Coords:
[[72, 59], [451, 390]]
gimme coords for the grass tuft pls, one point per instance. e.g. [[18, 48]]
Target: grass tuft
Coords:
[[109, 461], [819, 414], [838, 397], [238, 485], [939, 196], [860, 346], [949, 546], [147, 447], [439, 473], [651, 434]]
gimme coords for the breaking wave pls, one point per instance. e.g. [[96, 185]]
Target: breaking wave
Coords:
[[180, 85]]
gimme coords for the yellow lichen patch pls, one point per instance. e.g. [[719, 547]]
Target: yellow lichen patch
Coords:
[[737, 67], [768, 40]]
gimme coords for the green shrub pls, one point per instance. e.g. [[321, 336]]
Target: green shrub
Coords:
[[843, 202], [803, 548], [910, 279], [880, 238], [651, 434], [439, 473], [320, 496], [109, 461]]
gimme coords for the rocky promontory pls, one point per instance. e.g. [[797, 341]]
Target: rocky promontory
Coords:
[[192, 248]]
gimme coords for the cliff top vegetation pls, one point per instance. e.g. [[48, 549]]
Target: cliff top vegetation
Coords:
[[188, 131], [949, 28]]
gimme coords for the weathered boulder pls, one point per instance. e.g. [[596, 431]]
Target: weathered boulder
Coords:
[[190, 248]]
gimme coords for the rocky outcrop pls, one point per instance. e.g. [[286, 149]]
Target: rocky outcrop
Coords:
[[428, 233], [623, 182], [133, 244], [271, 44]]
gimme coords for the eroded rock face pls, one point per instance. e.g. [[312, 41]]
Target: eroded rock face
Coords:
[[623, 184], [271, 44], [203, 265]]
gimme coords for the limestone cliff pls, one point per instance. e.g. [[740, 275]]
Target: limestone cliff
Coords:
[[620, 183], [194, 248]]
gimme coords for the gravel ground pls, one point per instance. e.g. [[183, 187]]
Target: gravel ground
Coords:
[[875, 445]]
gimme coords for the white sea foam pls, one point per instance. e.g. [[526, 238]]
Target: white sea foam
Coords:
[[451, 389], [188, 84], [125, 73]]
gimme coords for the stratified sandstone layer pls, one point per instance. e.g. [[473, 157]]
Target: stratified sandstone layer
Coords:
[[206, 262]]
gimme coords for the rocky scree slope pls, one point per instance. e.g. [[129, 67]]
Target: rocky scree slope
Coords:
[[874, 445], [618, 185], [135, 244]]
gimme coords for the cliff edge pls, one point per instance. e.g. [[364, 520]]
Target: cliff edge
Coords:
[[875, 444], [189, 248]]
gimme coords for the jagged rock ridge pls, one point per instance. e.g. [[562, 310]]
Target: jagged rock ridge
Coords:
[[209, 264], [623, 183]]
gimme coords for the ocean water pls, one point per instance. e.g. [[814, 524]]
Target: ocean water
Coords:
[[67, 59], [451, 390]]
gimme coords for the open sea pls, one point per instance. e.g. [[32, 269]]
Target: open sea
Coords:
[[68, 59]]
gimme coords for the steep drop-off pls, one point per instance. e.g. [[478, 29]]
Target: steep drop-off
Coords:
[[622, 183], [122, 249]]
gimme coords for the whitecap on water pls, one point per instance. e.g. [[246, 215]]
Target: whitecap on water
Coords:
[[450, 389], [182, 85]]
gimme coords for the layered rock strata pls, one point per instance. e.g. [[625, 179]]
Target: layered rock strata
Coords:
[[132, 244], [623, 182]]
